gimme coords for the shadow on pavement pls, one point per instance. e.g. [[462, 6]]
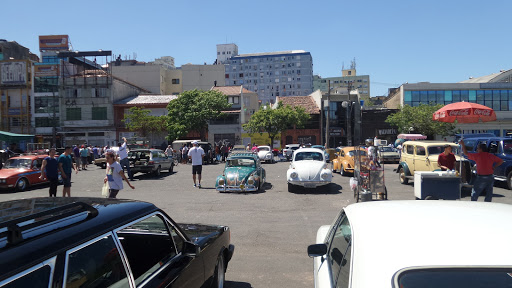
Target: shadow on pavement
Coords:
[[235, 284], [332, 188]]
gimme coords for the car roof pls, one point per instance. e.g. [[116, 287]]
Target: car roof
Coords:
[[429, 142], [145, 149], [292, 145], [244, 155], [111, 213], [350, 148], [309, 150], [391, 235]]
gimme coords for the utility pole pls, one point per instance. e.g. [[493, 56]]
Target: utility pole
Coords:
[[327, 118]]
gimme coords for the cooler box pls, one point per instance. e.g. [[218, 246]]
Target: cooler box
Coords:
[[438, 184]]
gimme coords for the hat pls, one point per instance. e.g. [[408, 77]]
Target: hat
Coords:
[[194, 142]]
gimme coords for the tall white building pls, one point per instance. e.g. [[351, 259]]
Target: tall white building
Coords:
[[226, 51]]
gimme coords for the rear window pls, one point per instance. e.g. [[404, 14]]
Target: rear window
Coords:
[[454, 277]]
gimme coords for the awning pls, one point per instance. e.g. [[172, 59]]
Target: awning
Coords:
[[13, 137], [411, 136]]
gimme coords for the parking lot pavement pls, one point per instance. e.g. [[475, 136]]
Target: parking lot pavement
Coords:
[[270, 229]]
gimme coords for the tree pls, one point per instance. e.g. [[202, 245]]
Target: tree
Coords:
[[138, 120], [193, 110], [420, 120], [276, 120]]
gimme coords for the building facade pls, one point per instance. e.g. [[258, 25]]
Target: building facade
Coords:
[[494, 91], [273, 74], [349, 80], [225, 51], [202, 77], [310, 133]]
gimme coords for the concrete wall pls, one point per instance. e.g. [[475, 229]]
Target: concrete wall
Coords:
[[150, 77], [202, 77], [170, 87]]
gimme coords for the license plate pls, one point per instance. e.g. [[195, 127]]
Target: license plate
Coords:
[[309, 185]]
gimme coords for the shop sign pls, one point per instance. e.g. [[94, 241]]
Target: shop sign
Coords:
[[13, 73], [54, 42], [390, 131], [47, 70]]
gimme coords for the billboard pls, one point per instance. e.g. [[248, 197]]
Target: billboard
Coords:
[[54, 42], [13, 73], [46, 70]]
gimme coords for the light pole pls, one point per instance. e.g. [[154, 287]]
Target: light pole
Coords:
[[347, 104]]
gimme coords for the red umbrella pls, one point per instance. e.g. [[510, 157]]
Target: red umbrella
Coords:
[[464, 112]]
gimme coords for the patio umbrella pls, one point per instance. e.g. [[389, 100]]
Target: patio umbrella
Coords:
[[464, 112]]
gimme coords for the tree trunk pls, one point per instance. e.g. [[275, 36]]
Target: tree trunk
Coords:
[[271, 143]]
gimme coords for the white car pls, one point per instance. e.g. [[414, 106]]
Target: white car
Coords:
[[289, 149], [308, 169], [436, 244], [265, 154]]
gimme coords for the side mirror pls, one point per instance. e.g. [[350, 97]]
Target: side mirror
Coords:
[[317, 250], [191, 250]]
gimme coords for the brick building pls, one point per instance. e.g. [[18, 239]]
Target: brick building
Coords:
[[311, 131]]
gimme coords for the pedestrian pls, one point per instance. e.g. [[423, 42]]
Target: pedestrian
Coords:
[[65, 166], [76, 154], [485, 165], [83, 157], [225, 152], [96, 152], [168, 151], [446, 160], [217, 152], [255, 148], [248, 148], [123, 156], [196, 154], [115, 175], [50, 171], [184, 153]]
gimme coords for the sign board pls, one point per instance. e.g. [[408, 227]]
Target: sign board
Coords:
[[336, 132], [390, 131], [13, 73], [14, 111], [54, 42], [46, 70]]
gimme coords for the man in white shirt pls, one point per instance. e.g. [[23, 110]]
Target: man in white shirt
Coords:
[[196, 154], [123, 158]]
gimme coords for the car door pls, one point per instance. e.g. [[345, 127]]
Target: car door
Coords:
[[496, 148], [33, 176], [408, 156], [153, 249], [339, 253], [421, 162], [166, 161]]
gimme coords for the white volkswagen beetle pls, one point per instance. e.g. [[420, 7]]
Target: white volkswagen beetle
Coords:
[[308, 169], [265, 154]]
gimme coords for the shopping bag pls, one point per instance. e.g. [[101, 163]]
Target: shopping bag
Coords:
[[104, 191]]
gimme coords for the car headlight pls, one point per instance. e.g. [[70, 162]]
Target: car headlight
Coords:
[[267, 156], [324, 176], [294, 175], [250, 181], [221, 181]]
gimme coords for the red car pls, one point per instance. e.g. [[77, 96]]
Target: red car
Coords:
[[21, 172]]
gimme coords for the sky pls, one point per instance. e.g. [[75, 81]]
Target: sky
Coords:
[[392, 41]]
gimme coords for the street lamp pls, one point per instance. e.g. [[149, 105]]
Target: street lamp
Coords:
[[347, 104]]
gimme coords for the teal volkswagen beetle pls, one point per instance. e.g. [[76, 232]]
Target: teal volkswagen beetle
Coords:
[[243, 173]]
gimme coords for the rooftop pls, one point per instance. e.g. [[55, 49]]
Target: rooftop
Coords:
[[306, 102], [488, 78], [146, 99], [271, 53], [230, 90]]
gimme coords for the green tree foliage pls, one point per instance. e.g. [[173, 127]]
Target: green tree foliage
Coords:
[[420, 119], [277, 120], [138, 120], [192, 111]]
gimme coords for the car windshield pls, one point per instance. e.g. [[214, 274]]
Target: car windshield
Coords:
[[351, 153], [240, 162], [18, 163], [507, 147], [386, 149], [438, 149], [318, 147], [455, 277], [264, 148], [300, 156]]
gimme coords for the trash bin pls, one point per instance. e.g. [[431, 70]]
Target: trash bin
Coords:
[[365, 196]]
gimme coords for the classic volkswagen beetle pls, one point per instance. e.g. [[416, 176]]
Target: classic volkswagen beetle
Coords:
[[265, 154], [344, 162], [243, 172], [308, 169]]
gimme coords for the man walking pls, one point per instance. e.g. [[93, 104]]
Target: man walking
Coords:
[[50, 171], [115, 175], [76, 153], [83, 157], [65, 165], [485, 165], [184, 153], [123, 156], [196, 154]]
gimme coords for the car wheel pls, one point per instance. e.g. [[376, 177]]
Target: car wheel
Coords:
[[291, 188], [21, 185], [171, 169], [342, 171], [509, 180], [220, 273], [104, 165], [401, 174], [158, 170]]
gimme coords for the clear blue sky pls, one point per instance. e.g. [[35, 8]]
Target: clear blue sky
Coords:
[[393, 41]]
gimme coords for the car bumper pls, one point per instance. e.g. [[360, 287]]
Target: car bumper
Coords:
[[240, 188], [309, 184], [231, 250], [142, 169], [6, 185]]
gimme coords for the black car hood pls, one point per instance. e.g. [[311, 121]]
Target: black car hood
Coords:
[[200, 233]]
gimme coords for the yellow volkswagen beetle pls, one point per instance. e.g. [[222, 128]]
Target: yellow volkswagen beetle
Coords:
[[344, 161]]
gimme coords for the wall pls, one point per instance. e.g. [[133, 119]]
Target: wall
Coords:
[[296, 133], [202, 77], [149, 77], [171, 88]]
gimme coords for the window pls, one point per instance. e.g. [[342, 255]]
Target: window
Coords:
[[148, 246], [241, 75], [46, 104], [38, 278], [73, 114], [98, 264], [339, 253], [227, 76], [409, 149], [44, 122], [420, 151], [177, 81], [99, 113]]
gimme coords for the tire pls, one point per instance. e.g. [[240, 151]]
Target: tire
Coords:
[[401, 176], [220, 273], [342, 171], [291, 188], [385, 193], [259, 186], [171, 169], [158, 171], [104, 165], [430, 198], [509, 180], [21, 185]]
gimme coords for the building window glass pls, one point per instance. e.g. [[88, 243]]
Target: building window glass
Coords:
[[448, 96], [73, 113], [504, 95], [488, 95], [472, 96], [424, 97], [46, 104], [431, 97], [440, 97], [480, 96], [415, 96], [177, 81], [99, 113], [456, 96], [44, 122], [464, 95]]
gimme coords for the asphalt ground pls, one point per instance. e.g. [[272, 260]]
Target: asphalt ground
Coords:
[[271, 229]]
